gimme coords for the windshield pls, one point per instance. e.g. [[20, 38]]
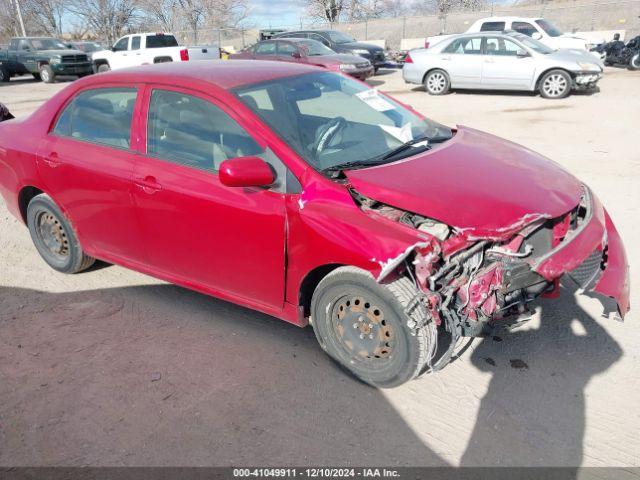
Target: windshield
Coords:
[[549, 27], [47, 44], [330, 119], [339, 37], [534, 45], [314, 48]]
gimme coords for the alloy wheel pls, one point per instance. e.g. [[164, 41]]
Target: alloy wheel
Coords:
[[555, 85], [44, 75], [436, 83]]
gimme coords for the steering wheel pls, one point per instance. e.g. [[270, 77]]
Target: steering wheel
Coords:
[[326, 133]]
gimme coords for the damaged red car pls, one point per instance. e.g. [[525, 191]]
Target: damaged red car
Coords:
[[307, 195]]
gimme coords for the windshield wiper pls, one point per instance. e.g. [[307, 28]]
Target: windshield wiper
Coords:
[[428, 141], [353, 164]]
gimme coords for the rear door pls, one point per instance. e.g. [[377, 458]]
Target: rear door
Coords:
[[197, 231], [86, 163], [462, 60], [503, 68]]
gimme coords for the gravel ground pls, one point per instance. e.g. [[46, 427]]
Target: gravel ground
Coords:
[[112, 367]]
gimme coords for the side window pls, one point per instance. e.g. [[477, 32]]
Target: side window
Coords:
[[193, 132], [14, 44], [467, 46], [99, 116], [320, 38], [121, 44], [266, 48], [492, 27], [286, 48], [135, 43], [24, 45], [502, 47], [524, 27]]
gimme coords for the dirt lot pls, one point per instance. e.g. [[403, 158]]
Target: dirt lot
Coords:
[[112, 367]]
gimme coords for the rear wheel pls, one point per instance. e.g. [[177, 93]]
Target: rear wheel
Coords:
[[634, 63], [54, 238], [46, 74], [437, 82], [5, 76], [555, 84], [363, 325]]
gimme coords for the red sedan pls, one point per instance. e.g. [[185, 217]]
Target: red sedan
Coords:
[[309, 52], [309, 196]]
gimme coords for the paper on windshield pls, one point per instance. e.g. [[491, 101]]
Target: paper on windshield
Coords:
[[374, 100], [404, 133]]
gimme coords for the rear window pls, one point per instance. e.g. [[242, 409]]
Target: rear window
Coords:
[[160, 41], [492, 27], [99, 116], [524, 27]]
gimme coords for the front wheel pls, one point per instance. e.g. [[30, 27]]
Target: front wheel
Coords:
[[555, 84], [5, 76], [103, 67], [373, 330], [634, 62], [46, 74], [54, 238], [437, 82]]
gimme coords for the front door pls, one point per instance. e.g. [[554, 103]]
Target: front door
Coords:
[[196, 230], [504, 68], [86, 164]]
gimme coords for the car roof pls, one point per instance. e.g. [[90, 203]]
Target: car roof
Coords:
[[225, 74], [507, 19]]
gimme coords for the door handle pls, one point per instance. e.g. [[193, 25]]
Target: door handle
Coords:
[[445, 58], [52, 160], [148, 184], [489, 60]]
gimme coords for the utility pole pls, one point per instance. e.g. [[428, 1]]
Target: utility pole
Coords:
[[24, 32]]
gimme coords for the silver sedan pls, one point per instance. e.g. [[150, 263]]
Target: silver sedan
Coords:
[[501, 61]]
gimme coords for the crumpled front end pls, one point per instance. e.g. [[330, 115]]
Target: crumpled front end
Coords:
[[471, 282]]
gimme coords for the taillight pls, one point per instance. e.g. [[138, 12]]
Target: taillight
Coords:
[[184, 55], [408, 58], [426, 44]]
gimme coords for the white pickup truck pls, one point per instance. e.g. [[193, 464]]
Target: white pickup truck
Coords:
[[537, 28], [147, 48]]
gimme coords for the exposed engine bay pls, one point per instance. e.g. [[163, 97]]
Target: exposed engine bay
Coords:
[[470, 284]]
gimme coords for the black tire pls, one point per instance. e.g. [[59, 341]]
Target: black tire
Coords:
[[103, 67], [46, 74], [634, 62], [37, 76], [437, 82], [5, 75], [388, 352], [54, 237], [555, 84]]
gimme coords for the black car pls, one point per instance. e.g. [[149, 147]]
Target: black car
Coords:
[[342, 43]]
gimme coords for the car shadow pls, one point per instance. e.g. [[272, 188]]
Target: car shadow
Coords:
[[160, 375], [533, 413]]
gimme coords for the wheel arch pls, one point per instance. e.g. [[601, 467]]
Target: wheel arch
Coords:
[[544, 72], [310, 282], [26, 194]]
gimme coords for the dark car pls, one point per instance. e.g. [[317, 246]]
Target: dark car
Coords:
[[86, 47], [342, 43], [44, 58], [310, 52]]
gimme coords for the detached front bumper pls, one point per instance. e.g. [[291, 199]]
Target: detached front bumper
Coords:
[[586, 80], [594, 257]]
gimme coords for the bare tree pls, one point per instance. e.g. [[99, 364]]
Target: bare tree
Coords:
[[327, 10], [108, 19], [47, 15]]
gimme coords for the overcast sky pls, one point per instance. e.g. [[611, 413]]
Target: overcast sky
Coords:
[[276, 13]]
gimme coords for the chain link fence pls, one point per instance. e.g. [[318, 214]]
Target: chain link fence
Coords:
[[568, 16]]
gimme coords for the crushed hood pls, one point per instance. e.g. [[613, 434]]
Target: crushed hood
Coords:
[[475, 181]]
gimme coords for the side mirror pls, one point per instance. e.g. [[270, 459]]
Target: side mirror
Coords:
[[114, 49], [536, 36], [246, 172], [296, 55], [522, 53]]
